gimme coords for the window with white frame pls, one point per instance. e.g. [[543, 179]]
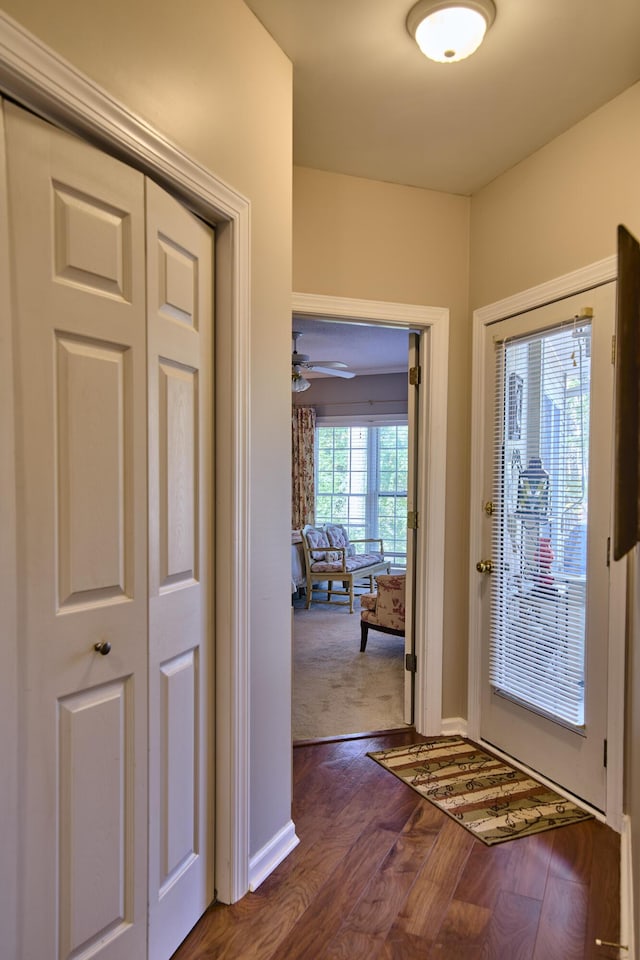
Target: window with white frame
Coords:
[[361, 482]]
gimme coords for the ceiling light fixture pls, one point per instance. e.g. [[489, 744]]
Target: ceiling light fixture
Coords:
[[450, 30], [298, 383]]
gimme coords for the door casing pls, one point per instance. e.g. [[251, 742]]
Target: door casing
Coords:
[[8, 592], [567, 285], [431, 479]]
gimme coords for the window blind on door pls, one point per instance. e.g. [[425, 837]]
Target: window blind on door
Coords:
[[541, 485]]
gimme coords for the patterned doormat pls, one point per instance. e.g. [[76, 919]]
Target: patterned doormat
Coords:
[[492, 799]]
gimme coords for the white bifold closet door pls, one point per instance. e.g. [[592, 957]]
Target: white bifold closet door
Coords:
[[114, 627], [180, 287]]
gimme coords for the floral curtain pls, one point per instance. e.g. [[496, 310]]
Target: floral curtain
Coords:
[[303, 494]]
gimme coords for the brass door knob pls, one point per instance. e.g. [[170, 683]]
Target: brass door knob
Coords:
[[484, 566], [103, 647]]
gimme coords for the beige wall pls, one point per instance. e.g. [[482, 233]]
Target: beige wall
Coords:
[[378, 241], [553, 213], [210, 78], [361, 397], [559, 209]]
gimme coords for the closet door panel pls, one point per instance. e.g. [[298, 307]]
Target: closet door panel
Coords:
[[179, 814], [93, 416], [92, 790], [76, 221], [178, 474], [181, 829]]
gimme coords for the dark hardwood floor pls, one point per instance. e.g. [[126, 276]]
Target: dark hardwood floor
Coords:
[[381, 874]]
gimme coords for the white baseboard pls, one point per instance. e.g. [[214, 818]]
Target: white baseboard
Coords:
[[273, 853], [627, 913], [454, 725]]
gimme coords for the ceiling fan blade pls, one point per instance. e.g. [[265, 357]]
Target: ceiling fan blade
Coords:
[[333, 372], [327, 363]]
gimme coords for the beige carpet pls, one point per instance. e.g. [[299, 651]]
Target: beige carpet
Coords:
[[336, 689]]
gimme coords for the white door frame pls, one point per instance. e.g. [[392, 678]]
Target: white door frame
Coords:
[[8, 594], [431, 474], [39, 79], [572, 283]]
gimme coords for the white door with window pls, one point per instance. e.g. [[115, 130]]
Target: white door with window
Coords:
[[544, 560]]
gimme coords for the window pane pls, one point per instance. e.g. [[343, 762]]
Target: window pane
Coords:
[[323, 509], [362, 481], [540, 579], [359, 482], [388, 480], [324, 460]]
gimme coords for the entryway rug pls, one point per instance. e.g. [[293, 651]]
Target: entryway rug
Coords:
[[492, 799]]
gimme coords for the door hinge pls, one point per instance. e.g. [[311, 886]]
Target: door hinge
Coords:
[[613, 348], [411, 662], [415, 376], [412, 520], [604, 756], [608, 551]]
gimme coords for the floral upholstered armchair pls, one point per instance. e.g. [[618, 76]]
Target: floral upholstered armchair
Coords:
[[383, 610]]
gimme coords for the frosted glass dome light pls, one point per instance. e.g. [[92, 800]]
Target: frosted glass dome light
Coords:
[[299, 383], [450, 30]]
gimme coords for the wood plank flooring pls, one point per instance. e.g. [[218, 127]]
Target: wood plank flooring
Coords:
[[381, 874]]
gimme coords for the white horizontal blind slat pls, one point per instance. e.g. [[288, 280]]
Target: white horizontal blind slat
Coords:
[[539, 580]]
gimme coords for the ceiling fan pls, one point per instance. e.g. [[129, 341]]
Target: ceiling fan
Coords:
[[300, 363]]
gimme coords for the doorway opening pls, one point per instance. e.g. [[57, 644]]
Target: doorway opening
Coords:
[[361, 464], [424, 412]]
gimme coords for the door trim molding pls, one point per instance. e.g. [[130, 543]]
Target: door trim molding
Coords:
[[594, 275], [9, 747], [431, 467], [39, 79]]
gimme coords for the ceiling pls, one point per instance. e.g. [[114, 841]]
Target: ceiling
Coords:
[[369, 104], [366, 349]]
